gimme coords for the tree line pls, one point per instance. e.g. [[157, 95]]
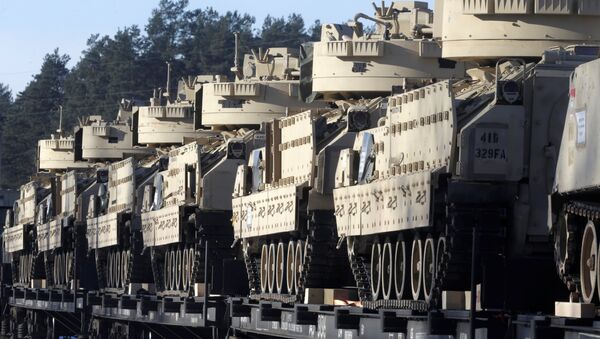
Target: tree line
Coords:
[[130, 64]]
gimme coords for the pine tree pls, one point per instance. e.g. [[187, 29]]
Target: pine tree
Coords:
[[5, 100], [279, 32], [110, 69], [315, 31], [5, 106], [209, 43], [33, 116], [164, 36]]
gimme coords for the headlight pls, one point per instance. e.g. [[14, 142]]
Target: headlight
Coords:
[[236, 150], [511, 91], [358, 120]]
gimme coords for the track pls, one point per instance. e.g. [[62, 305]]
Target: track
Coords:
[[119, 266], [174, 276], [177, 267], [567, 236], [491, 232], [27, 264], [320, 262], [448, 246]]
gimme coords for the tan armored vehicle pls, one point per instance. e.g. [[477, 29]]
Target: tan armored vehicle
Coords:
[[113, 232], [19, 233], [60, 232], [575, 204], [188, 207], [283, 204], [461, 160]]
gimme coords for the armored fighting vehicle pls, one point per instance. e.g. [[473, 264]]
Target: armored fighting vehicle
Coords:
[[283, 204], [60, 232], [188, 206], [112, 232], [459, 172], [575, 203], [7, 200], [20, 227]]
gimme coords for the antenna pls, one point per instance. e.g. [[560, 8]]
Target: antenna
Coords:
[[237, 42], [59, 130], [168, 78], [236, 65]]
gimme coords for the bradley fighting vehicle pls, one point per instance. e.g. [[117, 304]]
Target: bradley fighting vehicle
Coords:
[[7, 200], [575, 203], [27, 266], [19, 232], [282, 202], [177, 207], [467, 165]]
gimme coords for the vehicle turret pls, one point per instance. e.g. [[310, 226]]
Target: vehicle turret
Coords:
[[170, 120], [265, 87], [60, 231], [490, 29], [400, 54], [59, 153], [111, 140]]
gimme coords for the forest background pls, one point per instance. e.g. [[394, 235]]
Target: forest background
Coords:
[[130, 64]]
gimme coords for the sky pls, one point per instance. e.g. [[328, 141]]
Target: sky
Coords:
[[29, 29]]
